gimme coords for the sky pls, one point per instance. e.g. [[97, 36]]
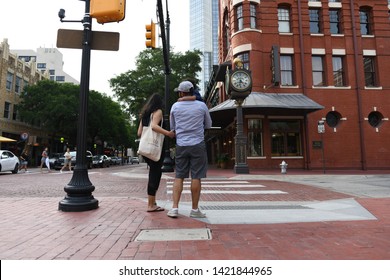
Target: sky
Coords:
[[31, 24]]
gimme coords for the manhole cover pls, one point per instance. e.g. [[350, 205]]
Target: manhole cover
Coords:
[[174, 234]]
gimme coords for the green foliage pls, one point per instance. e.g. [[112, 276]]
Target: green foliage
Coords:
[[54, 107], [133, 88]]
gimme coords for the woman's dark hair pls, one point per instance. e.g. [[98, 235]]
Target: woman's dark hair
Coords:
[[154, 103]]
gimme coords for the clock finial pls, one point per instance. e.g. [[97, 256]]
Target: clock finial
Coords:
[[238, 62]]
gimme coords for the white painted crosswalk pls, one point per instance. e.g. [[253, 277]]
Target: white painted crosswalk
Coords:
[[225, 187]]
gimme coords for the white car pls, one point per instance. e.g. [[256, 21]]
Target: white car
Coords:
[[9, 162]]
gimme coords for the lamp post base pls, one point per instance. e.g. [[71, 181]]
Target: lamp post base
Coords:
[[79, 193], [78, 204], [241, 168], [167, 163]]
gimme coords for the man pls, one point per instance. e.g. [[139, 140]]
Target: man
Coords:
[[189, 119]]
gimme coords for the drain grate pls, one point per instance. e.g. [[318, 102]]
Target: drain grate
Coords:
[[252, 207]]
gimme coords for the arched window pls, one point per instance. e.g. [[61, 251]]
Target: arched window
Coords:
[[284, 25], [365, 21]]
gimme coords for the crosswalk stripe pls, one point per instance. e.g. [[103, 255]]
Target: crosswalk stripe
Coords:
[[233, 192], [223, 186]]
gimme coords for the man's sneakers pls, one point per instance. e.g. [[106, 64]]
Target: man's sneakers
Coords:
[[174, 213], [197, 214]]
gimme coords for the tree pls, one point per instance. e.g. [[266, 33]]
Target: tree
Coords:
[[133, 87], [54, 107]]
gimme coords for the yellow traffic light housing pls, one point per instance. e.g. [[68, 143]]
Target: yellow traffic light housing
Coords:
[[107, 10], [150, 35]]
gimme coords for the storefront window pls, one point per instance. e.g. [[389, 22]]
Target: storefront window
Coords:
[[285, 138], [255, 138]]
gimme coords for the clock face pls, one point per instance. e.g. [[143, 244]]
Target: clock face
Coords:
[[241, 80]]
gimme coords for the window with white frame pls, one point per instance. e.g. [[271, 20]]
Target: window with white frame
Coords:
[[253, 15], [9, 82], [334, 21], [317, 64], [286, 70], [315, 21], [365, 21], [284, 19], [239, 18], [338, 71], [7, 110], [369, 71]]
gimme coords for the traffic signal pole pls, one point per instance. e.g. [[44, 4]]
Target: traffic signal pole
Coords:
[[168, 162]]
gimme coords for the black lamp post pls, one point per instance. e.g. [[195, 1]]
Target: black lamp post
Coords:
[[79, 190], [168, 162]]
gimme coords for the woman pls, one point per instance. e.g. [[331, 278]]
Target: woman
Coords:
[[153, 105], [45, 159], [67, 161]]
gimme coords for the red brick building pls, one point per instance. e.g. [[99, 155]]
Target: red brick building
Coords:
[[311, 61]]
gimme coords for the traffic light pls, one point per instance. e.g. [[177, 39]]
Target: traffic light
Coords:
[[107, 10], [150, 35]]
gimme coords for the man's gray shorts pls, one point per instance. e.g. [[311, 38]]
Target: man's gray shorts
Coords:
[[191, 158]]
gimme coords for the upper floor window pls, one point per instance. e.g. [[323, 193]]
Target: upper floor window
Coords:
[[245, 59], [18, 84], [365, 21], [60, 78], [10, 80], [315, 21], [239, 18], [334, 20], [286, 70], [253, 16], [41, 65], [7, 110], [284, 20], [15, 114], [226, 34], [338, 71], [334, 0], [369, 71], [318, 70]]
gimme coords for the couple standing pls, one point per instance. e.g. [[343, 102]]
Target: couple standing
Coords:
[[189, 118]]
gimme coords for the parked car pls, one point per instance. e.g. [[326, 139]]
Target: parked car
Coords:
[[61, 160], [134, 160], [116, 160], [101, 161], [53, 159], [9, 162]]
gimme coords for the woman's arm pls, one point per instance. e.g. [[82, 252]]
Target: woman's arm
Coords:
[[155, 123], [139, 132]]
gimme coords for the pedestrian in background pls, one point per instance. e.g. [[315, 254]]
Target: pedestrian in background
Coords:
[[23, 161], [67, 160], [189, 119], [153, 106], [45, 159]]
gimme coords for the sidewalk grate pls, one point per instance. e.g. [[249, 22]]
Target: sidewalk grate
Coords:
[[252, 207]]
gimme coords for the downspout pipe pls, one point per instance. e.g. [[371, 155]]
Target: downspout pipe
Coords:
[[358, 88], [304, 83]]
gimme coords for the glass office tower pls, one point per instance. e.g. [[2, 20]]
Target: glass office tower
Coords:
[[204, 35]]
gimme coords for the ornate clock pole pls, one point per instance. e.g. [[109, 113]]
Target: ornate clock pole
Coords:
[[239, 85]]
